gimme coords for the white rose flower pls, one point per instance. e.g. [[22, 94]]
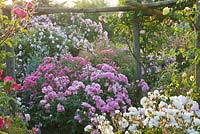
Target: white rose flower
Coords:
[[136, 113], [197, 112], [154, 122], [158, 113], [145, 122], [156, 92], [142, 110], [107, 122], [123, 123], [19, 101], [101, 117], [126, 114], [191, 131], [177, 104], [132, 109], [195, 106], [27, 117], [166, 10], [108, 130], [196, 121], [163, 98], [88, 128], [162, 104], [187, 117], [127, 132], [149, 93], [182, 99], [173, 98], [132, 127], [117, 111], [171, 111], [143, 101]]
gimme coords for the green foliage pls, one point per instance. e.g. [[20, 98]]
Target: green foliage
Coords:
[[18, 127], [90, 3], [8, 28]]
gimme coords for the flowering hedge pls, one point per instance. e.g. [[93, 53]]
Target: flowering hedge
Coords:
[[47, 38], [60, 91], [158, 114]]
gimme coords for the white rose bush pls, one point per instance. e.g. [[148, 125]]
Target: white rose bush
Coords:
[[158, 114]]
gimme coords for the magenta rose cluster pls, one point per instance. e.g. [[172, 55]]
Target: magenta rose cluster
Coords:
[[100, 87]]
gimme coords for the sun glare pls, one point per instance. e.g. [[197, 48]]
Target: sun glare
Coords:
[[9, 2], [70, 3]]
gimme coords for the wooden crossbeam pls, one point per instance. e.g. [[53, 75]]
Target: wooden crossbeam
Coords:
[[160, 3], [137, 5], [51, 10]]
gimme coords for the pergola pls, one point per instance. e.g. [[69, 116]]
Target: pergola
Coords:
[[149, 9]]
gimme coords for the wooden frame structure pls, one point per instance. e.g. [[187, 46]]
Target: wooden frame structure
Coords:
[[131, 5]]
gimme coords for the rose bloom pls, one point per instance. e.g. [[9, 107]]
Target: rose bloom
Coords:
[[8, 78], [1, 72], [1, 122], [19, 12], [166, 10], [29, 5], [16, 86], [27, 117], [8, 123]]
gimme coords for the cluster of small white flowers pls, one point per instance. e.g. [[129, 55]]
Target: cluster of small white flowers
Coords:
[[44, 39], [177, 111], [47, 34], [102, 125], [159, 111], [83, 34]]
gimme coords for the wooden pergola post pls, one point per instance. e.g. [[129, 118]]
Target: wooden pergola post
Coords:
[[197, 67], [136, 43], [10, 61]]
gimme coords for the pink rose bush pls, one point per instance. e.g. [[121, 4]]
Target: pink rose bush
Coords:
[[158, 114], [72, 88], [21, 13], [8, 84], [11, 118]]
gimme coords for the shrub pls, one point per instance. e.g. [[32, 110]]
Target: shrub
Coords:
[[158, 114], [60, 91], [11, 119], [43, 39], [48, 39]]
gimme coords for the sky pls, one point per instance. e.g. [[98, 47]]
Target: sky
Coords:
[[70, 2]]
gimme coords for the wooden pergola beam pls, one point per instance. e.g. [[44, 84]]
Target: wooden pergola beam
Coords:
[[51, 10], [138, 6], [160, 4]]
